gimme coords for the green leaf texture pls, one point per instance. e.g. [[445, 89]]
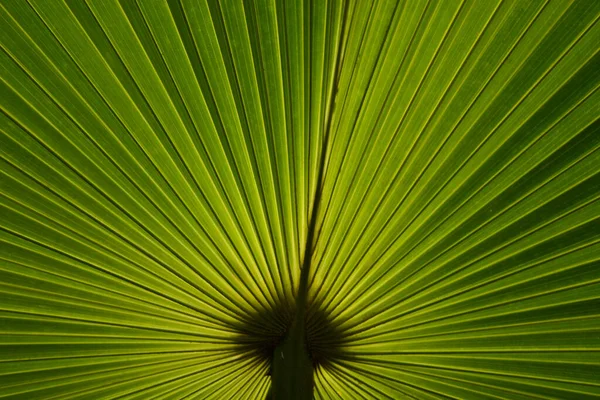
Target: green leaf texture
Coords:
[[160, 162]]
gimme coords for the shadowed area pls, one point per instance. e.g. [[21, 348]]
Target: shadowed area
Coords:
[[259, 335]]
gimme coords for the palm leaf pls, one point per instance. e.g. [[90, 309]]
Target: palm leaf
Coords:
[[403, 196]]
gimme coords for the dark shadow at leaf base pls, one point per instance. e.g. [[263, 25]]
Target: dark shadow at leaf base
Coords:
[[259, 335], [261, 332], [323, 339]]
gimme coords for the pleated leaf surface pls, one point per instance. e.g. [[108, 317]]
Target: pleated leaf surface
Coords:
[[160, 162]]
